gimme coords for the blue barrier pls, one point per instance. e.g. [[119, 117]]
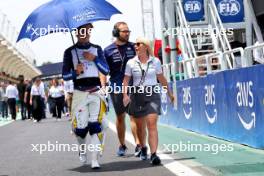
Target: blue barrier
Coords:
[[227, 105]]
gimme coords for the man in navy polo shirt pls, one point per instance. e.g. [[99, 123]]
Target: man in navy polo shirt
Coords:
[[117, 54]]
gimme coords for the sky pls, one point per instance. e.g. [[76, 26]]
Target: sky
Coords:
[[51, 47]]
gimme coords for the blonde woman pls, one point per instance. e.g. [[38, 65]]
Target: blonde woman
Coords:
[[145, 106]]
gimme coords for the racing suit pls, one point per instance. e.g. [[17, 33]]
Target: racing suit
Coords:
[[88, 104]]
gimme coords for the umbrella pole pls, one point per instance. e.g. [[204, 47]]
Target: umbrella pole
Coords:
[[79, 62], [75, 49]]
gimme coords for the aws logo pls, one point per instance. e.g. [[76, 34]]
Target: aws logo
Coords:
[[245, 98], [164, 105], [209, 99], [228, 7], [187, 100], [192, 6]]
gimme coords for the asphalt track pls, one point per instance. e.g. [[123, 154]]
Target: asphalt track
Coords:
[[18, 159]]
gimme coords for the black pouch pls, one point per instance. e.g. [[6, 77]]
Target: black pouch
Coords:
[[140, 107], [140, 99]]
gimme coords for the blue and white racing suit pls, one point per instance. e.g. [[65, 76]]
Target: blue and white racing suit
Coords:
[[88, 104]]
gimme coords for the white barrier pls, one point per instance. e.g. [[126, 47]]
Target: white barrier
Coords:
[[248, 53], [191, 65]]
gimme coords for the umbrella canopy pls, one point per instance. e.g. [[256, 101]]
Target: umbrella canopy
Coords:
[[64, 16]]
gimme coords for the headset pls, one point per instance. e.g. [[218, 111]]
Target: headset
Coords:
[[116, 31]]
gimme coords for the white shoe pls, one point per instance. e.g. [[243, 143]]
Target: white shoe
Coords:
[[95, 154], [83, 158], [95, 164], [35, 121]]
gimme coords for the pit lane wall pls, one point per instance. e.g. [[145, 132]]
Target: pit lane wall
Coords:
[[227, 105]]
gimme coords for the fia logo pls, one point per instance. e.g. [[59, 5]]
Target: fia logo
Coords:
[[192, 6], [228, 7], [209, 99], [187, 100], [245, 98]]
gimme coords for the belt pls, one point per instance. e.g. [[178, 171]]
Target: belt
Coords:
[[94, 89]]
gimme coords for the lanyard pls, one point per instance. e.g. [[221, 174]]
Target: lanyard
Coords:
[[143, 73], [121, 57]]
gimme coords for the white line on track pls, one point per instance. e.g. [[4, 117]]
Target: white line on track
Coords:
[[175, 167]]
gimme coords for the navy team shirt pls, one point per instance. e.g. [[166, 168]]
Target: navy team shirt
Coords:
[[90, 77], [117, 57]]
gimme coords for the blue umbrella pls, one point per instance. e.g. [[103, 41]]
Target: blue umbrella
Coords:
[[64, 15]]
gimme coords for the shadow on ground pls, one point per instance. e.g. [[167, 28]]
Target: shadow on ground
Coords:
[[115, 166]]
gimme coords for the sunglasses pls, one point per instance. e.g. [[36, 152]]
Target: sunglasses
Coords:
[[138, 44], [126, 31]]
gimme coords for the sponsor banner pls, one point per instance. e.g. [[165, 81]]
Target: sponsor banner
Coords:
[[230, 10], [194, 10], [227, 105]]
